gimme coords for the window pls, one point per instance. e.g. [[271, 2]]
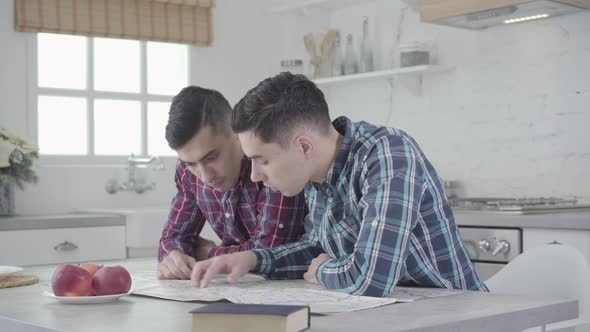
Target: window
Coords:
[[106, 97]]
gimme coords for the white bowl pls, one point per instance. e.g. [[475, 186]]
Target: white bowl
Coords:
[[86, 299]]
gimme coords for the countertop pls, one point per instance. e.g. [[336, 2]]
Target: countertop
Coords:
[[568, 220], [25, 309], [24, 222], [562, 220]]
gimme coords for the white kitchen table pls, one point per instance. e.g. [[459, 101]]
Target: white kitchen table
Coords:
[[26, 309]]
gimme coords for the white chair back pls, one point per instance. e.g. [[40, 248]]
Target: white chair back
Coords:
[[552, 270]]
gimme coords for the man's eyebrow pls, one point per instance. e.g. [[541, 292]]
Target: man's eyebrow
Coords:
[[205, 156], [208, 154]]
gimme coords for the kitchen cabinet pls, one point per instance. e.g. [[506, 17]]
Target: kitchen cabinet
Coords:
[[579, 239], [475, 14], [61, 245], [433, 10]]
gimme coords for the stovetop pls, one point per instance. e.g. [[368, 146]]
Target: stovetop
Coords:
[[525, 205]]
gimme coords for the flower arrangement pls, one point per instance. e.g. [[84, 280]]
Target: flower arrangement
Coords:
[[16, 158]]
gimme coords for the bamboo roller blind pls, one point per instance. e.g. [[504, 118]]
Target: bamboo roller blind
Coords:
[[177, 21]]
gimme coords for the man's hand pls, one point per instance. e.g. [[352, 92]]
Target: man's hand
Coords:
[[176, 266], [234, 265], [309, 276], [202, 251]]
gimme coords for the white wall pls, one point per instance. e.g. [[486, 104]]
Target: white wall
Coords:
[[245, 49], [512, 118], [241, 55], [13, 73]]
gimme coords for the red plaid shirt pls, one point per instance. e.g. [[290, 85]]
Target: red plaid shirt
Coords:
[[248, 216]]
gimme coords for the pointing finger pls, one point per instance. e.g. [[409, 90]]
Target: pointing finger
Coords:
[[197, 273], [212, 270]]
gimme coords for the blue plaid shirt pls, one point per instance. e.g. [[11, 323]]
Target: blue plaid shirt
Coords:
[[382, 216]]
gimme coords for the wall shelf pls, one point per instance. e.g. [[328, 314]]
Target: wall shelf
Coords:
[[382, 74], [294, 6]]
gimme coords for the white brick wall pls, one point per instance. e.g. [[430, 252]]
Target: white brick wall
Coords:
[[512, 119]]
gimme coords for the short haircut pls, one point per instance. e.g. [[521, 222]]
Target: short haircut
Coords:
[[279, 104], [195, 108]]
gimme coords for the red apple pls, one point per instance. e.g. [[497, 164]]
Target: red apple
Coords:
[[91, 267], [71, 280], [111, 280]]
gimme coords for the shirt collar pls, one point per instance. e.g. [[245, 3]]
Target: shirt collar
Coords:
[[346, 128], [244, 170]]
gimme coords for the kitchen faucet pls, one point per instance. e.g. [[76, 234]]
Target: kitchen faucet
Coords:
[[133, 184]]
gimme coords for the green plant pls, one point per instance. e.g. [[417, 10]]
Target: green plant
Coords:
[[16, 158]]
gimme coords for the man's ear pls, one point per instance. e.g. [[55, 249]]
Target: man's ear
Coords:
[[305, 145]]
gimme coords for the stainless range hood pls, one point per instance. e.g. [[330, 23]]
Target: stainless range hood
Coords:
[[479, 14]]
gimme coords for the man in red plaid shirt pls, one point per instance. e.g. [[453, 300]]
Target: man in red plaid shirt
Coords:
[[213, 185]]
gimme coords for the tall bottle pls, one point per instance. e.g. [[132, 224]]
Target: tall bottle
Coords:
[[350, 61], [337, 63], [366, 62]]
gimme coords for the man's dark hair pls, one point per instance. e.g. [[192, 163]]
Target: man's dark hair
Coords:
[[279, 104], [192, 109]]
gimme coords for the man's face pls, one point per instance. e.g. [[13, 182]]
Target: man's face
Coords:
[[214, 157], [280, 168]]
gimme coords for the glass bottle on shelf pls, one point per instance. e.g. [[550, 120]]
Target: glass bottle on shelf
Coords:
[[350, 61], [295, 66], [337, 64], [366, 61]]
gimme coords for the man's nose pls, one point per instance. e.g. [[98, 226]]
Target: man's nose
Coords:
[[255, 174], [206, 174]]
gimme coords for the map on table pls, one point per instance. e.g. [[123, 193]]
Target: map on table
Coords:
[[256, 289]]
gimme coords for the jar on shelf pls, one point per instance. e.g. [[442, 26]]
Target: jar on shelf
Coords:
[[414, 54], [295, 66]]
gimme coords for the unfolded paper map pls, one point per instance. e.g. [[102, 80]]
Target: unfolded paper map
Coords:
[[258, 290]]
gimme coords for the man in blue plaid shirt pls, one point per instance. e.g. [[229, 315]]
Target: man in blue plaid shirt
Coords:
[[378, 214]]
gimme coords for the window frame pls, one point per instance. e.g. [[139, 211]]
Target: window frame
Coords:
[[143, 97]]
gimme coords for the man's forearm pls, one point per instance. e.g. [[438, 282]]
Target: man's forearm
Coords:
[[289, 261]]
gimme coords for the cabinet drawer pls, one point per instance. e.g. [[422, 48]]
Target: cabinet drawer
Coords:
[[579, 239], [61, 245]]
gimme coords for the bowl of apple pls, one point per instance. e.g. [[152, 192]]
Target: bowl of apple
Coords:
[[89, 283]]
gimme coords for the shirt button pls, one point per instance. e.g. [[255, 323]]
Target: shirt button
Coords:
[[330, 200], [227, 215], [281, 226], [374, 223]]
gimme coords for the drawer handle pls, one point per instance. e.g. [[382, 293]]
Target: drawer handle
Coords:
[[65, 246], [555, 242]]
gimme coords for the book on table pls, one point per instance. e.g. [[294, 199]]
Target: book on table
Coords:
[[250, 317]]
